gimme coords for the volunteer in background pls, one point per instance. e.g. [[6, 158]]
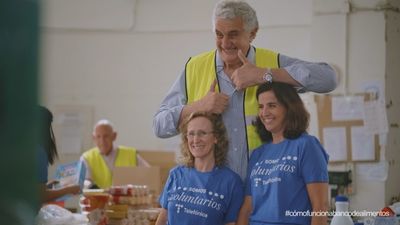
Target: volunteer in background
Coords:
[[47, 153], [202, 190], [289, 172], [238, 67], [101, 160]]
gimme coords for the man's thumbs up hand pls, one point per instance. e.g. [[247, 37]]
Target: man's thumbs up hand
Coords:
[[214, 102], [247, 75]]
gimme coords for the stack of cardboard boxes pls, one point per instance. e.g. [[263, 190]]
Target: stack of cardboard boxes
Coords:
[[119, 205], [133, 199]]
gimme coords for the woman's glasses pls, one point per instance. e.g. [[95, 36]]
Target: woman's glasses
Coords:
[[199, 133]]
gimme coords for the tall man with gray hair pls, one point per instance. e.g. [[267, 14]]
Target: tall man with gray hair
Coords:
[[225, 80]]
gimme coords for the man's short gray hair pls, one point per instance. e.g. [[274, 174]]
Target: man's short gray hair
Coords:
[[104, 122], [230, 9]]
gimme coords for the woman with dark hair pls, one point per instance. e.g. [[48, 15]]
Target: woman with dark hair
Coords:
[[202, 190], [288, 173], [47, 153]]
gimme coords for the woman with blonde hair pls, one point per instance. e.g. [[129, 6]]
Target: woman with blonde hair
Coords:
[[202, 190]]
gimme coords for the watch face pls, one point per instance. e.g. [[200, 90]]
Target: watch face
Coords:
[[268, 77]]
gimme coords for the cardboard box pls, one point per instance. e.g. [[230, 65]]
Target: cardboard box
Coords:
[[149, 176], [165, 160], [155, 176]]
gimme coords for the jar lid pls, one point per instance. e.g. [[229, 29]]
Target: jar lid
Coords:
[[341, 198]]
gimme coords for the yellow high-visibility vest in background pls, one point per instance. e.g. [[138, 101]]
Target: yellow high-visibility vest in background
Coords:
[[101, 174]]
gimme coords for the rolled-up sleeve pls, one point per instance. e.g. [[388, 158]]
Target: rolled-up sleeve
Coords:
[[317, 77], [166, 119]]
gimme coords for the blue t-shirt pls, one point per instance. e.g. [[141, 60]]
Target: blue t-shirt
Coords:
[[42, 165], [277, 179], [192, 197]]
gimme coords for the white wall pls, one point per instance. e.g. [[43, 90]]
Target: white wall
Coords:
[[112, 70], [119, 58]]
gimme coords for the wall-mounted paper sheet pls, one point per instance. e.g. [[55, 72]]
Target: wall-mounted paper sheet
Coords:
[[347, 108], [375, 118], [335, 143], [373, 171], [71, 127], [362, 144]]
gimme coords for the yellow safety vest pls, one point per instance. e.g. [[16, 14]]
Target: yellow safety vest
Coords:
[[201, 72], [101, 174]]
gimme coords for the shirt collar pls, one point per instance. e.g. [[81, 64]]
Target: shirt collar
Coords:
[[113, 150]]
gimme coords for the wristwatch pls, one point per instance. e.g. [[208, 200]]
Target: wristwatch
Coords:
[[268, 76]]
